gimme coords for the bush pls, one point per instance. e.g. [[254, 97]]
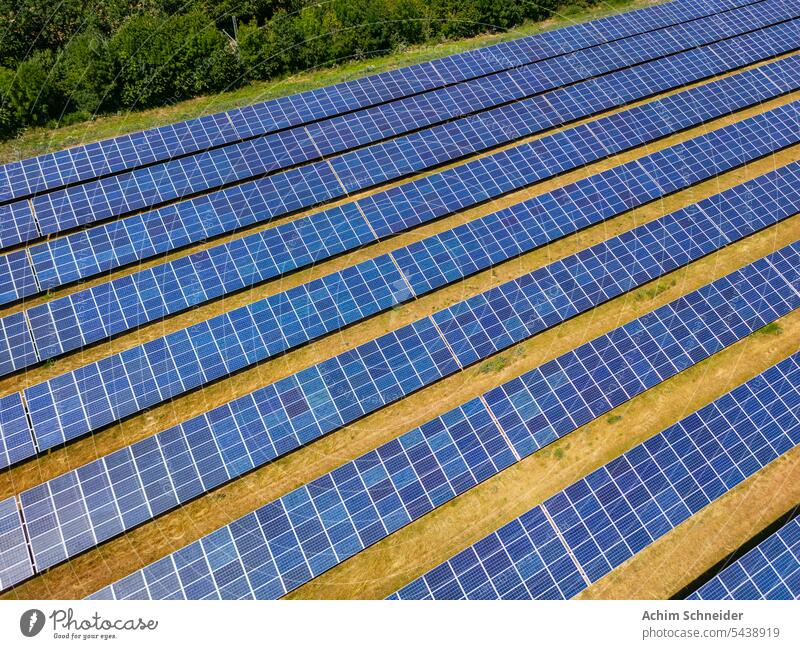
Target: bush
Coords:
[[454, 18], [165, 59], [86, 74], [30, 95], [9, 121], [271, 50]]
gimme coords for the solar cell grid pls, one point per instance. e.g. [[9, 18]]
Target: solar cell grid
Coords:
[[771, 570], [305, 539], [85, 162], [95, 503], [320, 524], [617, 510], [87, 316], [15, 561], [17, 224], [87, 252], [16, 344], [17, 279], [257, 428], [168, 366], [16, 439], [116, 195]]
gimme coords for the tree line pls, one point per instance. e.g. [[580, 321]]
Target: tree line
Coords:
[[70, 60]]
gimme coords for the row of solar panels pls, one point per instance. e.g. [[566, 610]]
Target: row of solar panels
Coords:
[[80, 163], [771, 570], [284, 544], [576, 537], [64, 324], [88, 252], [145, 188], [85, 399], [87, 506]]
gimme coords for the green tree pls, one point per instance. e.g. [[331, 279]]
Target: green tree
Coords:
[[269, 50], [164, 59], [86, 74], [31, 95]]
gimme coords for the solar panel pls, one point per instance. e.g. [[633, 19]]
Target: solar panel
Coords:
[[15, 561], [84, 507], [617, 510], [80, 163], [16, 344], [17, 279], [17, 224], [87, 316], [104, 247], [186, 460], [771, 570], [16, 439], [289, 541], [143, 188]]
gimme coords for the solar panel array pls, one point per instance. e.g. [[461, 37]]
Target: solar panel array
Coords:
[[80, 163], [89, 505], [286, 543], [126, 192], [72, 404], [54, 328], [771, 570], [81, 318], [578, 536], [132, 198], [91, 251]]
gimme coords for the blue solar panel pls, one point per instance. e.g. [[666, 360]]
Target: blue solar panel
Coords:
[[80, 163], [75, 403], [104, 247], [16, 439], [16, 277], [84, 317], [625, 505], [100, 393], [208, 450], [132, 191], [17, 224], [186, 460], [16, 344], [15, 560], [771, 570], [311, 529]]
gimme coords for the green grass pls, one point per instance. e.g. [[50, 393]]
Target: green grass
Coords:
[[36, 141], [773, 328], [613, 419], [493, 365], [654, 291]]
